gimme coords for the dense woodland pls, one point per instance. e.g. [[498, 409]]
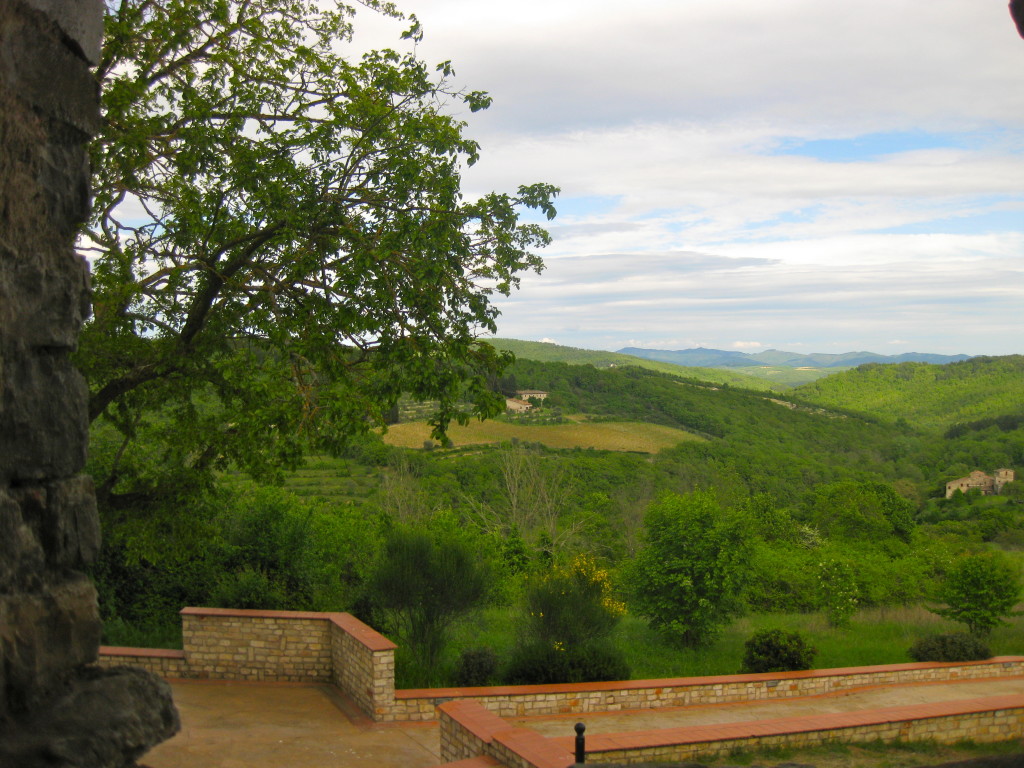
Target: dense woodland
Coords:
[[833, 493]]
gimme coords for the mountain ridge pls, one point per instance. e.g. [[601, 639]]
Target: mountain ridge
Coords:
[[709, 357]]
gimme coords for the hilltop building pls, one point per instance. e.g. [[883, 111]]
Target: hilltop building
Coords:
[[988, 485]]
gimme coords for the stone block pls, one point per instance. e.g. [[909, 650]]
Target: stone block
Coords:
[[63, 516], [81, 21]]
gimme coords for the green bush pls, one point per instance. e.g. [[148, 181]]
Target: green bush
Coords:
[[776, 650], [959, 646], [475, 667], [537, 664]]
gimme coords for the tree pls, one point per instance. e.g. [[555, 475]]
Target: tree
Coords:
[[427, 578], [979, 590], [690, 576], [870, 511], [280, 245]]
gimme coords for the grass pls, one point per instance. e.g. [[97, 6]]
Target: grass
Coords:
[[605, 435], [876, 636]]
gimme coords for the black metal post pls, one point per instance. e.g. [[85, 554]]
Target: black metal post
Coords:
[[581, 743]]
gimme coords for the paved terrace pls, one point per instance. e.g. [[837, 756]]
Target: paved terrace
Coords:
[[259, 725]]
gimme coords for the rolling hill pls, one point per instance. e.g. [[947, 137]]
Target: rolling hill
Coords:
[[926, 395], [555, 353]]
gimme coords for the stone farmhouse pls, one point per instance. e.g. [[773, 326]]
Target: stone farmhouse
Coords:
[[988, 485], [526, 394], [514, 405]]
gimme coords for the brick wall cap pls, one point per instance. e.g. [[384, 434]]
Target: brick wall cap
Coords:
[[250, 613], [364, 633]]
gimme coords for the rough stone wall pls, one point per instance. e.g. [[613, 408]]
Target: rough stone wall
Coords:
[[49, 530]]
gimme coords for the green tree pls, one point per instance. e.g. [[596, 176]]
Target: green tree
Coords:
[[428, 577], [979, 590], [869, 511], [280, 244], [690, 576]]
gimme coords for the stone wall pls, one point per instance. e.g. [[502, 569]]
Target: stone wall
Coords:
[[364, 665], [277, 646], [53, 710], [469, 730], [298, 646], [527, 700], [287, 646]]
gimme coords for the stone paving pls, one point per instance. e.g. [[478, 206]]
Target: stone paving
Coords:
[[265, 725]]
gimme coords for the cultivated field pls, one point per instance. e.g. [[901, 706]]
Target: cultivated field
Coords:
[[602, 435]]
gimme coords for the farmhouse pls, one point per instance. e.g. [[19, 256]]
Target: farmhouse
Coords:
[[514, 405], [526, 394], [986, 484]]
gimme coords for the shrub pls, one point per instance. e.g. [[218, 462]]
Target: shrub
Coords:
[[570, 612], [538, 663], [428, 577], [775, 650], [476, 666], [839, 593], [959, 646], [571, 605]]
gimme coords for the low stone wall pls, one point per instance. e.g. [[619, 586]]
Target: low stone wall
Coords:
[[276, 646], [468, 731], [286, 646], [529, 700], [164, 663], [363, 665], [468, 728], [296, 646]]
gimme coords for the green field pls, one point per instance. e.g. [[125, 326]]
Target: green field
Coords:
[[602, 435]]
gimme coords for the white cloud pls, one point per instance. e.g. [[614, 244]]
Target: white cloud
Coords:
[[693, 215]]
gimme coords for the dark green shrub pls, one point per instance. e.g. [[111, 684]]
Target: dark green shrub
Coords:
[[959, 646], [537, 664], [775, 650], [475, 667]]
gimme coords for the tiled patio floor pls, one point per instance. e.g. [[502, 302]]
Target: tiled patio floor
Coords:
[[280, 725]]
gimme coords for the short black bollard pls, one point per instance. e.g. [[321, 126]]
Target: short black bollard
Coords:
[[581, 743]]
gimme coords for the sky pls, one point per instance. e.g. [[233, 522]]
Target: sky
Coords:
[[806, 175]]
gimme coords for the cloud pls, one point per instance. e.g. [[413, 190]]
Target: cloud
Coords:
[[824, 176]]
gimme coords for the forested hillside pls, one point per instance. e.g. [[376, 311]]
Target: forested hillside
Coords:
[[556, 353], [823, 500], [925, 395]]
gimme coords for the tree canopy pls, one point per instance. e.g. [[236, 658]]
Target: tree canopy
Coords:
[[280, 244]]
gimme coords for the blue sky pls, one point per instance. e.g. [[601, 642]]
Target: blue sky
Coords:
[[802, 175]]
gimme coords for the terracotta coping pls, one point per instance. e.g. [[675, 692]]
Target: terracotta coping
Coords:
[[682, 682], [364, 633], [483, 761], [253, 614], [695, 734], [156, 653]]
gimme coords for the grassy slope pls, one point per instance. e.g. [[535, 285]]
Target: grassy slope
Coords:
[[609, 436], [757, 378], [926, 395]]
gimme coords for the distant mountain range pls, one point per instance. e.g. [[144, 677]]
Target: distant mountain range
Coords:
[[720, 358]]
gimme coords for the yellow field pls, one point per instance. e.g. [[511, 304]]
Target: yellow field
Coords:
[[608, 435]]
